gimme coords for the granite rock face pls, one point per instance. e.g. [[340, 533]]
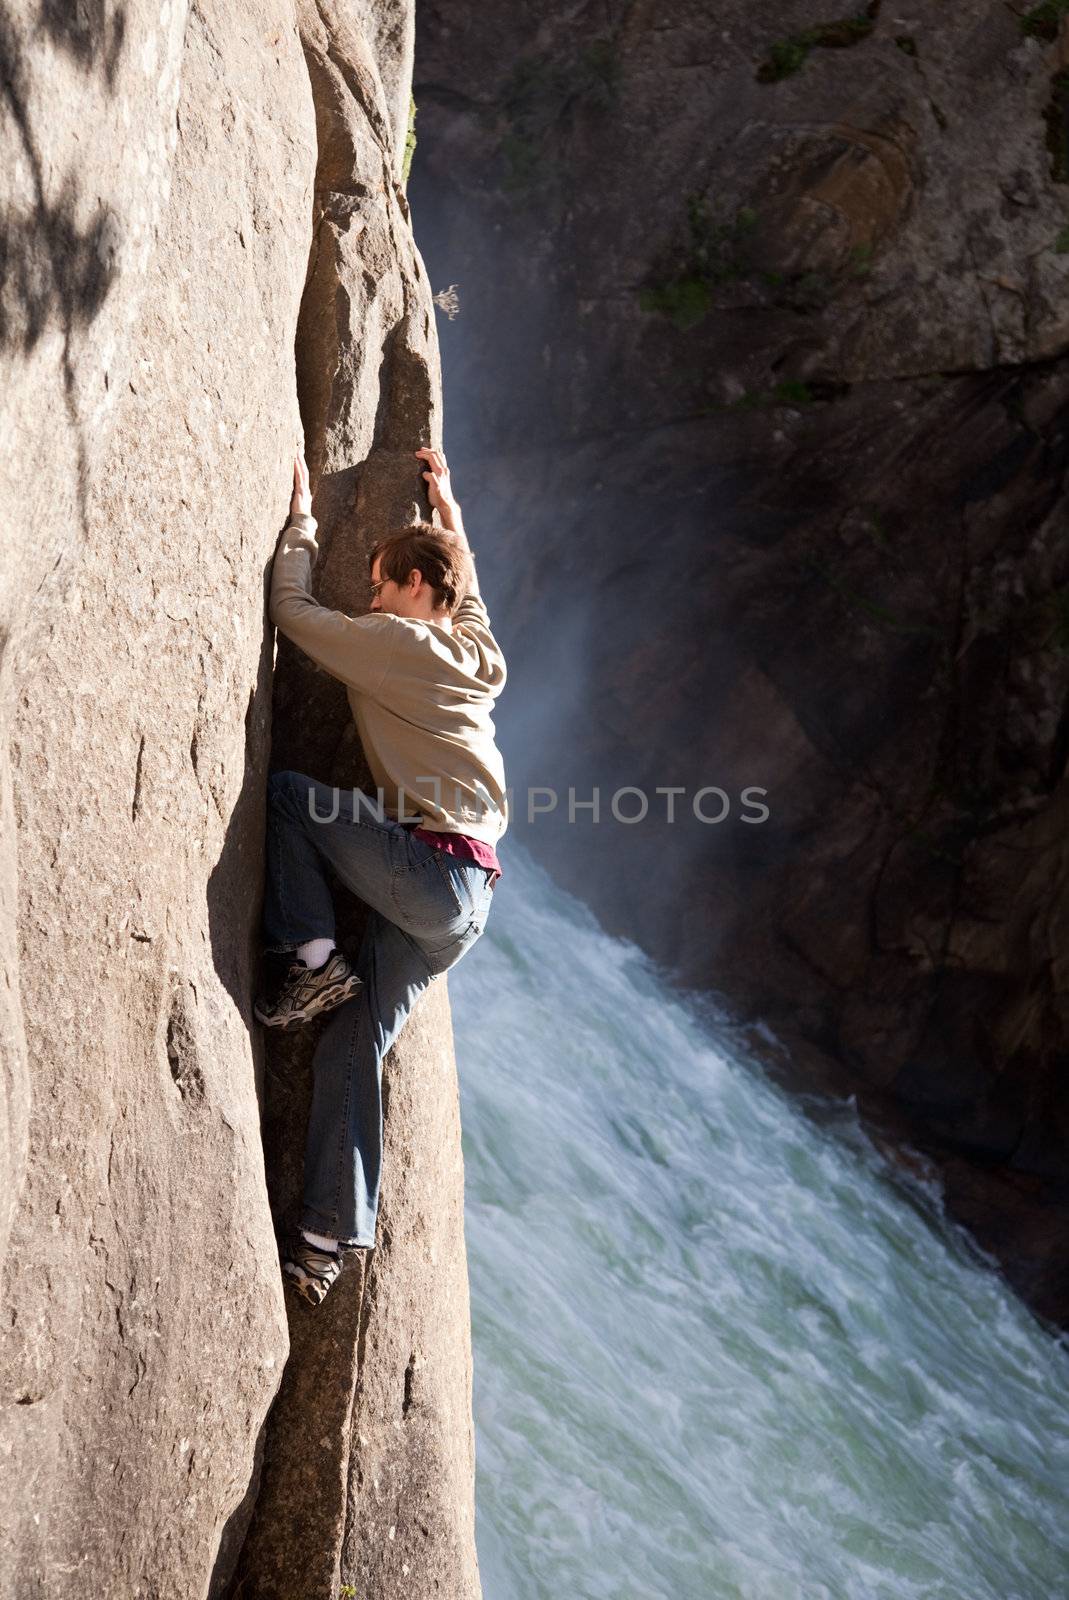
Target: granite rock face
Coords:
[[382, 1371], [762, 396], [165, 171]]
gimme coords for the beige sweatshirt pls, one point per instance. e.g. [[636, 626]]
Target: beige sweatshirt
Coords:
[[421, 695]]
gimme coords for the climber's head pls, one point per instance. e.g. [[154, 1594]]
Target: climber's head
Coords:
[[420, 571]]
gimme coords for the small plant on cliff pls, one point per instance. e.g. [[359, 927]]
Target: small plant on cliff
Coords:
[[686, 301], [522, 160], [1044, 21], [715, 253], [1056, 612], [410, 140], [786, 56], [877, 531], [873, 610], [1056, 117], [539, 91], [860, 262], [540, 94], [792, 392], [448, 300], [599, 73], [808, 291]]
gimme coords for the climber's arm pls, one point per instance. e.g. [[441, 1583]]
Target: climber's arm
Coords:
[[440, 495], [356, 650], [470, 617]]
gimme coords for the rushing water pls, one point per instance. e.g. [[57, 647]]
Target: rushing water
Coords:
[[720, 1350]]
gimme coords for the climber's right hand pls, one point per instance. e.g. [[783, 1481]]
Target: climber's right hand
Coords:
[[436, 477]]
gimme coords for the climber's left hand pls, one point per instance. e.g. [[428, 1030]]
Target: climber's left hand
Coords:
[[302, 492]]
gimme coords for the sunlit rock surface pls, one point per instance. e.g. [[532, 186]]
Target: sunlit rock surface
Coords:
[[175, 173]]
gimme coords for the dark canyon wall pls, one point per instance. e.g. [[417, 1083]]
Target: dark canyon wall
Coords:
[[175, 174], [761, 396]]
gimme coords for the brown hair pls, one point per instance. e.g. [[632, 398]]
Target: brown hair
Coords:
[[439, 556]]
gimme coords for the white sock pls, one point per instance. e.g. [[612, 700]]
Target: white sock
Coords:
[[315, 952], [320, 1241]]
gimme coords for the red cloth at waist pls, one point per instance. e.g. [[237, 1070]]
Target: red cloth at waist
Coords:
[[465, 848]]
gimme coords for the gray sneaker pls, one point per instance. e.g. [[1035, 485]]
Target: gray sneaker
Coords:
[[311, 1270], [292, 993]]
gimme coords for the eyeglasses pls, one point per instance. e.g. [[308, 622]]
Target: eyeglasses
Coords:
[[375, 587]]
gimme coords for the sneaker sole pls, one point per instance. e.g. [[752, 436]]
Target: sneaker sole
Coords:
[[327, 1000], [313, 1290]]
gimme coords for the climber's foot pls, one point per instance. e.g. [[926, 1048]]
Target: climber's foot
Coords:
[[292, 994], [309, 1269]]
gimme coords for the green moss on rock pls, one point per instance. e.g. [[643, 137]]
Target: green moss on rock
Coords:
[[788, 55]]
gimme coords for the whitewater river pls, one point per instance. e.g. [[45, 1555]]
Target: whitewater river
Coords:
[[721, 1351]]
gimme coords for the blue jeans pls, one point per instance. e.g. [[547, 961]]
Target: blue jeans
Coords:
[[427, 908]]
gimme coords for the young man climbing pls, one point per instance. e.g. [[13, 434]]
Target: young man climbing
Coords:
[[422, 671]]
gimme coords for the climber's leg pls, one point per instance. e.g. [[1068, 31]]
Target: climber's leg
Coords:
[[343, 1152], [311, 826]]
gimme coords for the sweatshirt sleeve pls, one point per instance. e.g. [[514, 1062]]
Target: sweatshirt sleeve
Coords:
[[471, 622], [356, 650]]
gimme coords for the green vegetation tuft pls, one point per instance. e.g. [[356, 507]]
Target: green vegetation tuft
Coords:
[[1061, 243], [410, 141], [715, 253], [788, 55], [860, 262], [793, 392], [784, 58], [878, 531], [1056, 116], [540, 94], [598, 78], [810, 291], [873, 610], [522, 161], [907, 45], [685, 300], [1044, 21], [1058, 612]]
